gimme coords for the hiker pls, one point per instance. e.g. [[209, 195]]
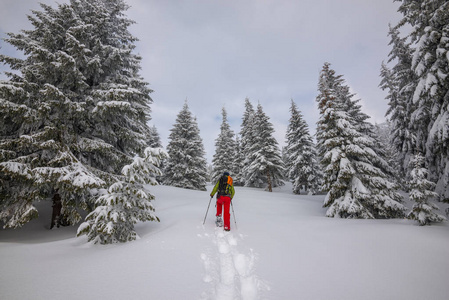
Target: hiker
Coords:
[[225, 194], [57, 206]]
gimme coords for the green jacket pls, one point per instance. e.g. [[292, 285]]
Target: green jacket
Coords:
[[215, 189]]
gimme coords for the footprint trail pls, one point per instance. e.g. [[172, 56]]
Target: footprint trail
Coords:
[[230, 273]]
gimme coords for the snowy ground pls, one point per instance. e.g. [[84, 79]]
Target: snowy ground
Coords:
[[283, 248]]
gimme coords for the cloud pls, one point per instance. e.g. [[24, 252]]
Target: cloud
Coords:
[[217, 53]]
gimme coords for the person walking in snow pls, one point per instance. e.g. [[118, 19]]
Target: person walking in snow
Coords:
[[225, 194]]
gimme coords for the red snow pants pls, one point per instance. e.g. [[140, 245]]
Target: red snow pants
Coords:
[[226, 202]]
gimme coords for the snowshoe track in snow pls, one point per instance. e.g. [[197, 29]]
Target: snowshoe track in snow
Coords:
[[230, 272]]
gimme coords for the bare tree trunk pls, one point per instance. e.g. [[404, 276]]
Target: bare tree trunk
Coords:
[[56, 215], [269, 180]]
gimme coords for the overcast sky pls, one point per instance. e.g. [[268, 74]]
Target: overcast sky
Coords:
[[215, 53]]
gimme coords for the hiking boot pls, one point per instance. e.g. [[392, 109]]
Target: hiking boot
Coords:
[[227, 229]]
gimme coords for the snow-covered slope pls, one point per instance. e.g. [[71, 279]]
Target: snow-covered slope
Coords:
[[283, 248]]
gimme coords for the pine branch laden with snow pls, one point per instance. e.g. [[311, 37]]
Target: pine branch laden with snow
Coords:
[[16, 196], [22, 184], [186, 166], [421, 192], [125, 202], [75, 109], [353, 171]]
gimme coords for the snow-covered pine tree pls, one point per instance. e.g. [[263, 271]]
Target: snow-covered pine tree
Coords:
[[391, 154], [356, 187], [186, 166], [285, 159], [421, 192], [154, 138], [400, 82], [74, 111], [359, 120], [430, 34], [210, 171], [300, 155], [225, 150], [154, 141], [125, 203], [247, 140], [266, 167]]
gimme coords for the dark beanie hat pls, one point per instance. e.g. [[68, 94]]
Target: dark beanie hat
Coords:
[[226, 173]]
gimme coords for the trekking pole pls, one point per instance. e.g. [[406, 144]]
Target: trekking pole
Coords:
[[233, 213], [207, 210]]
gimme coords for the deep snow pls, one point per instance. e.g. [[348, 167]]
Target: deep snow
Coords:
[[283, 248]]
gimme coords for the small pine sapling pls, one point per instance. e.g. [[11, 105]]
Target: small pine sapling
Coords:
[[421, 191], [125, 202]]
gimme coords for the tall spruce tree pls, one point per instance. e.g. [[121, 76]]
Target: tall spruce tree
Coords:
[[429, 20], [421, 192], [154, 138], [74, 111], [360, 122], [186, 166], [247, 140], [391, 154], [266, 167], [356, 187], [300, 155], [126, 202], [400, 82], [225, 150]]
